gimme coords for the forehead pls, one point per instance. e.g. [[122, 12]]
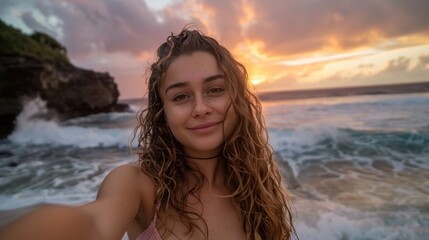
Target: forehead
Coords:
[[193, 67]]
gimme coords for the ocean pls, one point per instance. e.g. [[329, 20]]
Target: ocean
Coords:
[[360, 164]]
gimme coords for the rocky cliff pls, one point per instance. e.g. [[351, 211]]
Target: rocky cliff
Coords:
[[68, 90]]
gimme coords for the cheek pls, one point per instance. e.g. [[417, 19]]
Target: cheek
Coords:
[[175, 116]]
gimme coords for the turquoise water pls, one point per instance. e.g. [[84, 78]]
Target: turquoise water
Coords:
[[360, 164]]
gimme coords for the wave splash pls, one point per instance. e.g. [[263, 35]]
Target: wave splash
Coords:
[[31, 128], [324, 142]]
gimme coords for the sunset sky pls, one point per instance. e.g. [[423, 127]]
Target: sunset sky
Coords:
[[285, 44]]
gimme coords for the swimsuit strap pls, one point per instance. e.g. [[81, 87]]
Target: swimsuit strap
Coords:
[[155, 216], [151, 232]]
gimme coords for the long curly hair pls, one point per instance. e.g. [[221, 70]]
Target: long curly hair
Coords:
[[252, 175]]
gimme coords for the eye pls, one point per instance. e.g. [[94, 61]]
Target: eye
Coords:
[[216, 90], [180, 98]]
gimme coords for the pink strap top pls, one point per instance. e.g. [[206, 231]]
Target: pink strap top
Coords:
[[151, 232]]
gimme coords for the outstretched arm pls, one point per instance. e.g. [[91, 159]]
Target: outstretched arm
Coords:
[[52, 222], [107, 217]]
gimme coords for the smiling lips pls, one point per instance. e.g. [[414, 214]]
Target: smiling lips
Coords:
[[205, 128]]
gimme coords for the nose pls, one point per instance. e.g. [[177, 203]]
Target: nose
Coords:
[[201, 107]]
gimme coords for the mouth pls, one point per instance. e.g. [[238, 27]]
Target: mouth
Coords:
[[205, 126]]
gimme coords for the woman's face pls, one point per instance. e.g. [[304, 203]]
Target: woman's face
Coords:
[[196, 104]]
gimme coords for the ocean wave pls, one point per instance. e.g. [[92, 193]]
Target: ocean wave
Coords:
[[33, 130], [323, 143], [333, 225]]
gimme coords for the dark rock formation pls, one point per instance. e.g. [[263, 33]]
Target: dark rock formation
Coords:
[[36, 65], [70, 91]]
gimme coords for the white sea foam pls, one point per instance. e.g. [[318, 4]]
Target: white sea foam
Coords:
[[327, 220], [71, 182], [330, 225], [113, 116], [306, 137], [33, 130]]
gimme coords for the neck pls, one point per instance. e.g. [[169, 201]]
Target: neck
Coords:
[[211, 167]]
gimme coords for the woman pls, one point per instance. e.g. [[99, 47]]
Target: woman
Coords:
[[205, 168]]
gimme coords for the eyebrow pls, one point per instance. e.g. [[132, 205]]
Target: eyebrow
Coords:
[[183, 84]]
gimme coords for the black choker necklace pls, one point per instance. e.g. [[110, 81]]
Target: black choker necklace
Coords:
[[203, 158]]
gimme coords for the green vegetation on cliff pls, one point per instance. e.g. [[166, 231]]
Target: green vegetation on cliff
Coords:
[[37, 45]]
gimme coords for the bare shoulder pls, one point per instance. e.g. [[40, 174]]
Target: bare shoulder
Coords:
[[127, 172], [128, 177], [124, 193]]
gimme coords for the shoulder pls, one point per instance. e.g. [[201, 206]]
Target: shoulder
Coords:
[[129, 177], [125, 193], [126, 172], [141, 186]]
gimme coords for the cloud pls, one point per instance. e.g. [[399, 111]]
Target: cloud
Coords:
[[6, 5], [291, 27], [424, 59], [289, 82], [397, 70], [403, 66], [29, 19], [286, 27], [401, 69], [104, 26], [399, 64]]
